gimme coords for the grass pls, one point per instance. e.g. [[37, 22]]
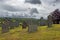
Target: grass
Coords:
[[43, 33]]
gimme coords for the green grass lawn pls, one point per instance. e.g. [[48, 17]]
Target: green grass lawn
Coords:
[[43, 33]]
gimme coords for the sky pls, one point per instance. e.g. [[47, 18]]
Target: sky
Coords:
[[28, 8]]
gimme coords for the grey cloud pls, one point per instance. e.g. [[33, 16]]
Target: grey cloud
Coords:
[[5, 10], [57, 1], [40, 12], [51, 2], [3, 14], [33, 1], [3, 0], [12, 8]]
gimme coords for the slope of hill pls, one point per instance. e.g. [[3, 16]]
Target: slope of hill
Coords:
[[43, 33]]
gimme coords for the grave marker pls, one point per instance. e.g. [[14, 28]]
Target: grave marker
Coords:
[[32, 28], [5, 27], [24, 25], [42, 22], [49, 21]]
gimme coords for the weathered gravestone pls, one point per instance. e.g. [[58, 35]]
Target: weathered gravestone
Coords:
[[14, 24], [11, 25], [42, 21], [8, 22], [49, 21], [32, 27], [5, 27]]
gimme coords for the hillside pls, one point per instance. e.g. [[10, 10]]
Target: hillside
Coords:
[[43, 33]]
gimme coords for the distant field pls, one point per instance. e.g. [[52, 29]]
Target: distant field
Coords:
[[43, 33]]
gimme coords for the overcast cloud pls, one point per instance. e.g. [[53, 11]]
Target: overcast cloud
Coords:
[[33, 1], [28, 8]]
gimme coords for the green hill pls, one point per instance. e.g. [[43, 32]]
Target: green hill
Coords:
[[43, 33]]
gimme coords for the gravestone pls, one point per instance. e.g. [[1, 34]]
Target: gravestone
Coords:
[[24, 25], [42, 21], [50, 21], [32, 28], [59, 22], [11, 25], [5, 27], [16, 24]]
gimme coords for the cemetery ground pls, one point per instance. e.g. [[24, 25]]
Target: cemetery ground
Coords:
[[43, 33]]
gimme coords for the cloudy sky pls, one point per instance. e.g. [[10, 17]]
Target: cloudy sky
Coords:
[[28, 8]]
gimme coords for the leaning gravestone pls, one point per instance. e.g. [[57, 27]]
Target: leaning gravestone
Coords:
[[49, 21], [42, 21], [32, 27]]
